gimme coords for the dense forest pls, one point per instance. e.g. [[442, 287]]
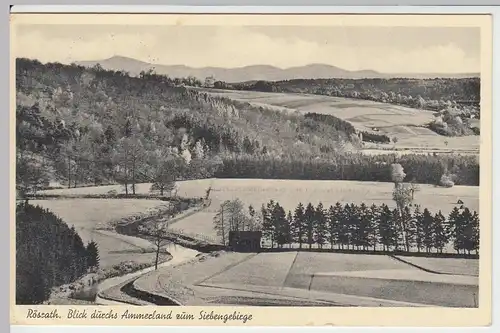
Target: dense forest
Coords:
[[424, 169], [353, 227], [48, 254], [83, 126]]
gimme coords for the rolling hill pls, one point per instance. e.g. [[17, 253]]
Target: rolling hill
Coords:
[[78, 123], [254, 72]]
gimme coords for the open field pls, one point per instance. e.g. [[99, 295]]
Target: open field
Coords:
[[289, 193], [286, 278], [293, 278], [392, 120], [87, 214]]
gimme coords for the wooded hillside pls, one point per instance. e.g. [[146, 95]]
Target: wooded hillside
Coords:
[[84, 126], [48, 254]]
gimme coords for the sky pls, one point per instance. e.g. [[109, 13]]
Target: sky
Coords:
[[384, 49]]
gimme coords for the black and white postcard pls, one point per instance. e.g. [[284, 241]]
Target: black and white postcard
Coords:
[[251, 169]]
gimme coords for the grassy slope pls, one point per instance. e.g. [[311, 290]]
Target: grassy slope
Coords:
[[394, 121]]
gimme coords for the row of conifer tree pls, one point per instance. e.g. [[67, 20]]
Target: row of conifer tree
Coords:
[[49, 253], [374, 228]]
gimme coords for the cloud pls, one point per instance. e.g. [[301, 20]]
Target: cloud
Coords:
[[240, 46]]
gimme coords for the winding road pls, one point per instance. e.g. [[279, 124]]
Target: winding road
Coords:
[[179, 255]]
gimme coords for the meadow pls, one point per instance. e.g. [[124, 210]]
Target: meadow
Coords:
[[404, 123], [288, 193]]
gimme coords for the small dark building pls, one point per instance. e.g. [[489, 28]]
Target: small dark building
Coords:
[[245, 241]]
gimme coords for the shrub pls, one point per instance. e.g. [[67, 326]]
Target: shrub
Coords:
[[446, 181]]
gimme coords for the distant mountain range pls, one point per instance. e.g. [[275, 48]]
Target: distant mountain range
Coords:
[[254, 72]]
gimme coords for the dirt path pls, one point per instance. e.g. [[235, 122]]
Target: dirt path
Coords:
[[179, 254]]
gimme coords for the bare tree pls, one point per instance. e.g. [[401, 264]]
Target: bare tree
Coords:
[[128, 156], [159, 234], [402, 195], [219, 224], [236, 215], [207, 192], [231, 217], [414, 187]]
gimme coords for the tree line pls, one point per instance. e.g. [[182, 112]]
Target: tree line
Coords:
[[48, 254], [420, 168], [355, 227], [361, 227]]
